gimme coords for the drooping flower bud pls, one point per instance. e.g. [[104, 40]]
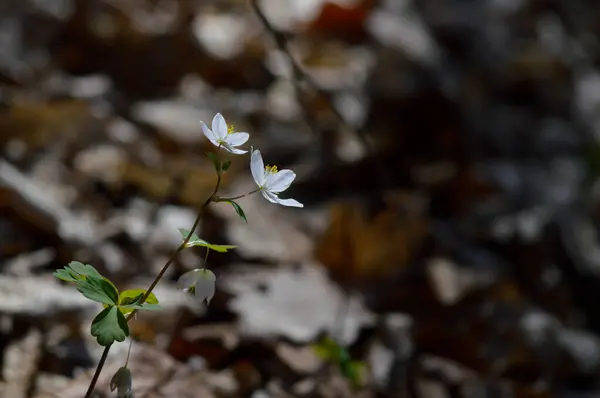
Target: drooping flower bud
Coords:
[[199, 281], [121, 381]]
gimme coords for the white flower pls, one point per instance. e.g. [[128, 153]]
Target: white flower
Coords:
[[272, 182], [224, 136], [201, 282]]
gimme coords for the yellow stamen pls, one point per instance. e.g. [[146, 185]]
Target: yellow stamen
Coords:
[[271, 169], [231, 129]]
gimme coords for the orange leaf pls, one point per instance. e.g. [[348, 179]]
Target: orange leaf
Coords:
[[358, 246], [346, 23]]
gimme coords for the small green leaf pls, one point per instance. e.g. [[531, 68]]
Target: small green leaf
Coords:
[[100, 290], [65, 275], [238, 210], [328, 349], [128, 297], [226, 164], [215, 160], [353, 371], [76, 271], [109, 326], [84, 269], [196, 241], [185, 233], [129, 300], [146, 306]]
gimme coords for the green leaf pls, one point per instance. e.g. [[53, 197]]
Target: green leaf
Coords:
[[328, 349], [84, 269], [185, 233], [331, 351], [99, 289], [76, 271], [129, 300], [109, 326], [146, 306], [128, 297], [65, 275], [215, 160], [226, 164], [196, 241], [353, 371], [238, 210]]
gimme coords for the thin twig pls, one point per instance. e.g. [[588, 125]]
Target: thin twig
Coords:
[[158, 277]]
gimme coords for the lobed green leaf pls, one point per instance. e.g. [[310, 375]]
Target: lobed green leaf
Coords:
[[99, 289], [109, 326]]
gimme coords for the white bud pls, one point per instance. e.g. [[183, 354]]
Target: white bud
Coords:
[[201, 282], [121, 381]]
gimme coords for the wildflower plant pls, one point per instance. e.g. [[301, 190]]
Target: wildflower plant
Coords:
[[118, 307]]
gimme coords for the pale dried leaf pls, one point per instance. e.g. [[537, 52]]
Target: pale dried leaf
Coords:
[[297, 304]]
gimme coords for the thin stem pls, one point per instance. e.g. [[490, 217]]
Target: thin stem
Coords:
[[129, 350], [217, 199], [206, 257], [158, 277], [99, 367]]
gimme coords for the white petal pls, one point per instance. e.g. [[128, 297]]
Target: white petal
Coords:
[[289, 202], [280, 181], [270, 196], [236, 151], [257, 167], [237, 139], [188, 279], [215, 141], [208, 132], [219, 126], [273, 198], [205, 286]]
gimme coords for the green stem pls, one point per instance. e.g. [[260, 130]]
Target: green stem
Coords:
[[211, 198], [217, 199]]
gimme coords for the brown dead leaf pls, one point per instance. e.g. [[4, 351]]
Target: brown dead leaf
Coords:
[[41, 123], [189, 183], [357, 245]]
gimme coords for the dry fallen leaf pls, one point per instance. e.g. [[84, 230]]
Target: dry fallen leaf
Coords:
[[42, 123], [282, 302], [358, 246], [20, 364], [155, 374]]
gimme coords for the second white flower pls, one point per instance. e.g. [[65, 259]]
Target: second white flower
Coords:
[[271, 181]]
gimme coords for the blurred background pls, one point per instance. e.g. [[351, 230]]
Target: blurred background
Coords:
[[446, 152]]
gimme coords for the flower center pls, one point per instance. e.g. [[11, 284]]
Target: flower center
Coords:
[[231, 129], [270, 169]]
